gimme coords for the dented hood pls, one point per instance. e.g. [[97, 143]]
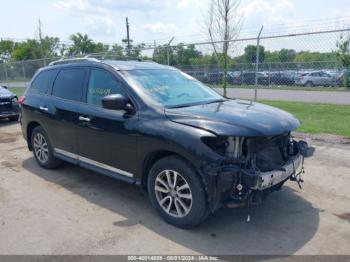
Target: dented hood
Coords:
[[235, 118]]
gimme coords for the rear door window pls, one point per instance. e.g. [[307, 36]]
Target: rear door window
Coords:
[[69, 84], [43, 82]]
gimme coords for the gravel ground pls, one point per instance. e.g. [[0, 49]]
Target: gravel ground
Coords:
[[75, 211]]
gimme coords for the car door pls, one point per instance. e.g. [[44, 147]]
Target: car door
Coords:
[[37, 98], [317, 79], [327, 79], [106, 138], [62, 109]]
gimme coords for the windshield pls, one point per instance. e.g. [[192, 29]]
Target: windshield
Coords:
[[172, 88]]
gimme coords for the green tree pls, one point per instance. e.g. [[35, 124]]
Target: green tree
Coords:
[[36, 49], [286, 55], [272, 57], [133, 50], [6, 49], [136, 50], [343, 52], [180, 55], [82, 44], [49, 46], [160, 54], [99, 48], [306, 56], [117, 50], [204, 61], [250, 53], [29, 49], [185, 55]]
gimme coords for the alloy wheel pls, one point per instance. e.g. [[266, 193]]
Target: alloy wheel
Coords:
[[41, 149], [173, 193]]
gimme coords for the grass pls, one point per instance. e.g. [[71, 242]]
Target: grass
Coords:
[[318, 118], [304, 88], [17, 90], [315, 118], [20, 79]]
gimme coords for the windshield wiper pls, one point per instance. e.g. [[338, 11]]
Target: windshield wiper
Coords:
[[198, 103], [179, 106], [216, 101]]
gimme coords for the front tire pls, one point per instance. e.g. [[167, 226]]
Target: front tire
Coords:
[[42, 149], [177, 193]]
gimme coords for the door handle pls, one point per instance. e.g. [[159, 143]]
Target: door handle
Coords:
[[43, 108], [85, 119]]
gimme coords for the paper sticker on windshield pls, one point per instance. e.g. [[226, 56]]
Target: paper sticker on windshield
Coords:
[[158, 89]]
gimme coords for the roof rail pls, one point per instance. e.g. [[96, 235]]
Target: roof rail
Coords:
[[114, 55], [72, 60]]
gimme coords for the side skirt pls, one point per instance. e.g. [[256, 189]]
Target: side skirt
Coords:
[[75, 159]]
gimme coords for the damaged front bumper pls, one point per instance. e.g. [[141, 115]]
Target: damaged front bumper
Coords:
[[230, 185], [294, 166]]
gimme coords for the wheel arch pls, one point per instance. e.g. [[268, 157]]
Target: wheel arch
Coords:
[[29, 130], [154, 156]]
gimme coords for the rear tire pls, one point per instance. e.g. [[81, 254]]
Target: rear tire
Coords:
[[42, 149], [182, 200], [309, 84]]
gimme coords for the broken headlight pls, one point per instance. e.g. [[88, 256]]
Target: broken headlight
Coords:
[[230, 146]]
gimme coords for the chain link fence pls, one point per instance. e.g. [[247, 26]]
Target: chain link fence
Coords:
[[298, 60], [292, 60]]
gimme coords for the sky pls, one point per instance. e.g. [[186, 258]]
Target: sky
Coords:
[[104, 20]]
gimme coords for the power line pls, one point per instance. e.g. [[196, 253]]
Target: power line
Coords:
[[291, 27]]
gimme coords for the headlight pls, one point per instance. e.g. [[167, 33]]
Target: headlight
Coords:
[[14, 100], [218, 144]]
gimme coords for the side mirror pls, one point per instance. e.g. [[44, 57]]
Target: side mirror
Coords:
[[117, 102]]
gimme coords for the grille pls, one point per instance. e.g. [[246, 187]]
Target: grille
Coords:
[[5, 104], [270, 153]]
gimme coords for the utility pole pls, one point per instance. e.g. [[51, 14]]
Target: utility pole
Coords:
[[154, 49], [168, 50], [39, 30], [127, 36], [40, 34], [257, 65]]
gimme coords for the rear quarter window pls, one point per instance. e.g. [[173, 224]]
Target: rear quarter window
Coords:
[[42, 82]]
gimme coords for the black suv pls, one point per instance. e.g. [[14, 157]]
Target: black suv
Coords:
[[193, 150]]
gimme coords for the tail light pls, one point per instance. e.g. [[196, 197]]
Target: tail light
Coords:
[[21, 100]]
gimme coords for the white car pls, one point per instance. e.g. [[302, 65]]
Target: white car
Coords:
[[318, 78]]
